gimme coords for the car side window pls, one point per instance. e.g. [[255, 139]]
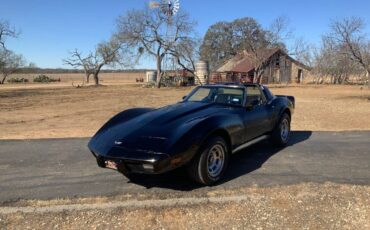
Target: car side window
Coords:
[[253, 94], [230, 96], [268, 95], [263, 96]]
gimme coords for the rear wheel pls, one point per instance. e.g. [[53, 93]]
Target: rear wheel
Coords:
[[280, 135], [210, 164]]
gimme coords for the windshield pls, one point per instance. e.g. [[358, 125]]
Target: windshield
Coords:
[[222, 95]]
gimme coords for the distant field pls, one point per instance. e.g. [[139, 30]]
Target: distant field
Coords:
[[59, 110], [105, 78]]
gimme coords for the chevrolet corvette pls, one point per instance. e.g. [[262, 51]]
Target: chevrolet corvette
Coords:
[[199, 133]]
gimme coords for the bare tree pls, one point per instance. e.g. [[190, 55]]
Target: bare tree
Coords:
[[259, 61], [107, 53], [185, 53], [9, 64], [279, 33], [76, 60], [333, 63], [151, 32], [32, 65], [9, 61], [302, 51], [6, 30], [252, 39], [274, 37], [348, 34]]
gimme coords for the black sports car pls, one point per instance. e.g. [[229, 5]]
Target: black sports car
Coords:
[[200, 132]]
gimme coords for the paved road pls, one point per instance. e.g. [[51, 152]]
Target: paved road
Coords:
[[32, 169]]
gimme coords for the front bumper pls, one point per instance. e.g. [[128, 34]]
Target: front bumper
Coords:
[[148, 163]]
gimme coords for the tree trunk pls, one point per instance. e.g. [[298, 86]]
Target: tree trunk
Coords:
[[96, 79], [159, 71], [192, 71], [87, 77], [339, 79], [258, 71], [255, 76], [3, 80], [258, 76], [367, 77], [96, 74], [197, 77]]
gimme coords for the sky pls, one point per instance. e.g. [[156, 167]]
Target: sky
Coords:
[[52, 28]]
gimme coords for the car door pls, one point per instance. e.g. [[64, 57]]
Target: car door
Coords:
[[256, 115]]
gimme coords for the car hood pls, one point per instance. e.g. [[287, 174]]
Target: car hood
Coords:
[[151, 131]]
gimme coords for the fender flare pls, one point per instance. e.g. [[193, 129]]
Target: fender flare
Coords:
[[200, 132], [285, 110]]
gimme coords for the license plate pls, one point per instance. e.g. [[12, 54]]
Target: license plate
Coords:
[[111, 165]]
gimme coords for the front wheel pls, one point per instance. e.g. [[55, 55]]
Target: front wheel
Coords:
[[280, 135], [209, 165]]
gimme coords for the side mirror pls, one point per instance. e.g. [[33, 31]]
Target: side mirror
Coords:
[[251, 104]]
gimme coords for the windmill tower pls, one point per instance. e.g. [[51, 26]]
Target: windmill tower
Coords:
[[168, 9]]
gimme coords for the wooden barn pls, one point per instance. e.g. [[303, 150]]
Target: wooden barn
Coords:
[[276, 67]]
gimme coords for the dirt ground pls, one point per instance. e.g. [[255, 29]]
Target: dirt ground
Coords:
[[59, 110], [303, 206]]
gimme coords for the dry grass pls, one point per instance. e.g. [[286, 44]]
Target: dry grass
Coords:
[[304, 206], [59, 110], [330, 108]]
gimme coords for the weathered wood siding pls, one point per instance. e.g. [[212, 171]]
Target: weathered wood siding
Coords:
[[280, 68]]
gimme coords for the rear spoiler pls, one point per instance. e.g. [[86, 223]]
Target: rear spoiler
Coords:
[[291, 98]]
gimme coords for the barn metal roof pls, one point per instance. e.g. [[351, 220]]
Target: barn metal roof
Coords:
[[244, 62]]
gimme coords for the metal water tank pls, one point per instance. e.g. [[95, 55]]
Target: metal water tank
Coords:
[[151, 76], [202, 71]]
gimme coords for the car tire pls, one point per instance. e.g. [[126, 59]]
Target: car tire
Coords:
[[280, 135], [209, 165]]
